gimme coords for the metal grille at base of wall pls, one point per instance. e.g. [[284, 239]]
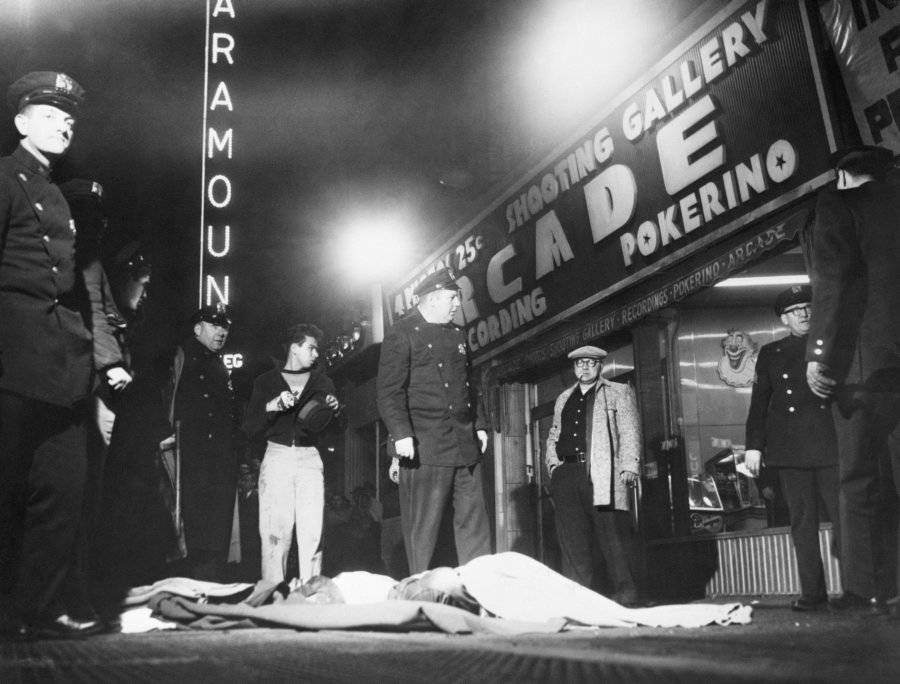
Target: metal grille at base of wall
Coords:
[[766, 564]]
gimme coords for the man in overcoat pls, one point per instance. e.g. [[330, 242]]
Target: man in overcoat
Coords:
[[45, 366], [203, 409], [433, 416], [593, 457], [853, 354], [791, 429]]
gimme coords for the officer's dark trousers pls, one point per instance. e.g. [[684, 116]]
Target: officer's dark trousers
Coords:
[[807, 491], [424, 491], [581, 527], [869, 457], [42, 470]]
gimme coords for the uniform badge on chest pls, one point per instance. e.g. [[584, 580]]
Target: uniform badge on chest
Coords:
[[72, 226], [462, 348]]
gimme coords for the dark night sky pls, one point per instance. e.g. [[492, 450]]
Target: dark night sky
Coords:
[[341, 106]]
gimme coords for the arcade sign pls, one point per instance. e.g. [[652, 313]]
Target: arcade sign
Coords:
[[727, 128]]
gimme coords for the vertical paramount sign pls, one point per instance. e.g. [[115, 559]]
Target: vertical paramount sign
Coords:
[[218, 136]]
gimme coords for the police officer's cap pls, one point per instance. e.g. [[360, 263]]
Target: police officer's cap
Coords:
[[217, 314], [442, 279], [870, 155], [81, 190], [131, 258], [795, 294], [587, 352], [46, 87]]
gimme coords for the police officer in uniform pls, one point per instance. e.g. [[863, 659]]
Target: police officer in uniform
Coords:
[[853, 356], [438, 431], [204, 410], [792, 430], [45, 365]]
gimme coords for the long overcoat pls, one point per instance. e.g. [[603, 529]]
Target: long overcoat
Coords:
[[614, 441]]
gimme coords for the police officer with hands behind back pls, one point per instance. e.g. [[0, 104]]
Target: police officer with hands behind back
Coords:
[[792, 429], [434, 418], [46, 357]]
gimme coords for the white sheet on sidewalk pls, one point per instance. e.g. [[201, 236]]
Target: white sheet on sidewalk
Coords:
[[513, 586]]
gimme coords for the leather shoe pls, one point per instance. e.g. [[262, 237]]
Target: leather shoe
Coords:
[[850, 601], [807, 605], [61, 627]]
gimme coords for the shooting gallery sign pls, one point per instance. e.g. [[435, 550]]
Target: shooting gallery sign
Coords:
[[726, 129]]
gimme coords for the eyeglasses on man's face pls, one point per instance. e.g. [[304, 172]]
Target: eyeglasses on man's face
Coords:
[[800, 309], [587, 363]]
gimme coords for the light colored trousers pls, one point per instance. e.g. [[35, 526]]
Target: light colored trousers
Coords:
[[291, 496]]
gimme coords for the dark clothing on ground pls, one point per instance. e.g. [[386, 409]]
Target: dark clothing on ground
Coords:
[[855, 331], [205, 408], [424, 392], [283, 427], [45, 374]]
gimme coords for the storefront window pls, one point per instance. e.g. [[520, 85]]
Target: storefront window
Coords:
[[720, 332]]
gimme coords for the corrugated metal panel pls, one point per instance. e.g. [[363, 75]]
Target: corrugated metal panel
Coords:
[[763, 564]]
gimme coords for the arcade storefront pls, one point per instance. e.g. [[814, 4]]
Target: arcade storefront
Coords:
[[661, 232]]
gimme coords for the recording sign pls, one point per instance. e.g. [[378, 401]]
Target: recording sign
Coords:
[[218, 154], [727, 128]]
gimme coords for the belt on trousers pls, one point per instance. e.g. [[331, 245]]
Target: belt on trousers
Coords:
[[573, 458]]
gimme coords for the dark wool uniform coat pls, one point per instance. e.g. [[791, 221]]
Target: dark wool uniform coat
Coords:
[[856, 278], [424, 391], [790, 425], [205, 406], [45, 348]]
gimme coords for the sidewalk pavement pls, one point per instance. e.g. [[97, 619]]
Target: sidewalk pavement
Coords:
[[779, 645]]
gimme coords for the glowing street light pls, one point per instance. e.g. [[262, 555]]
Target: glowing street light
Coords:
[[374, 249]]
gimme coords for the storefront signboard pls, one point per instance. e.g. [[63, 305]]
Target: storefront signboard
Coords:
[[866, 40], [734, 258], [727, 128]]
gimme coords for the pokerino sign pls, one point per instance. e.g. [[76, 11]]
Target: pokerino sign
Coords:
[[218, 135], [727, 128]]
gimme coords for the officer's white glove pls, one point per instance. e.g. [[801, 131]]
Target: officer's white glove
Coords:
[[482, 440], [405, 447], [117, 377], [394, 470], [752, 461]]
